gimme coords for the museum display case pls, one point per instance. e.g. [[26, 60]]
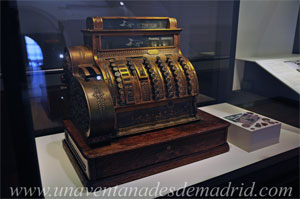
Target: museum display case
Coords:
[[148, 87]]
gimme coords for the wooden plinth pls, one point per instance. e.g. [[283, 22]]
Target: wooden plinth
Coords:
[[134, 157]]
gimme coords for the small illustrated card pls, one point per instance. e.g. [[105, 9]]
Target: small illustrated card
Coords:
[[251, 121]]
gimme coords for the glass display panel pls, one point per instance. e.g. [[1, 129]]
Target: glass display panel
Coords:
[[135, 23], [206, 40], [113, 42]]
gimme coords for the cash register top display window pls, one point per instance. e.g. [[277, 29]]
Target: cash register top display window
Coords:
[[123, 33], [117, 42], [137, 23]]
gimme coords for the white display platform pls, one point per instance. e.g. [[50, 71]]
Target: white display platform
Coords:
[[56, 169], [278, 67]]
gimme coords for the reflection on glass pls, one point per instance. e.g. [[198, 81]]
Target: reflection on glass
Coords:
[[113, 42], [35, 61], [34, 54]]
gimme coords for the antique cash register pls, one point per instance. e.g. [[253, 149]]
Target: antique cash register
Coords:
[[132, 102]]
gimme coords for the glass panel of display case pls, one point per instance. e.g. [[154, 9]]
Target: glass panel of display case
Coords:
[[206, 40]]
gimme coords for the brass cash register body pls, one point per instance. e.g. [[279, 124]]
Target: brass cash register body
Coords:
[[130, 77]]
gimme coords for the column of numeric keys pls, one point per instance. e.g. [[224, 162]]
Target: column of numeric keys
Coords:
[[130, 66], [189, 74], [117, 75], [180, 90], [170, 90], [157, 93]]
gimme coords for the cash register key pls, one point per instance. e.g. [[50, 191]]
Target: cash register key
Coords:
[[132, 68], [115, 69], [171, 64], [120, 85], [185, 67], [154, 80], [117, 74], [176, 74], [153, 75], [179, 59], [151, 70], [178, 79], [166, 74], [164, 69], [169, 85], [119, 79], [188, 72], [173, 68]]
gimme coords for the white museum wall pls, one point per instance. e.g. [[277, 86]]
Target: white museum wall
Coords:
[[264, 28]]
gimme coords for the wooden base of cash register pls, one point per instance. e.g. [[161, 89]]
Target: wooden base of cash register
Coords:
[[135, 157]]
